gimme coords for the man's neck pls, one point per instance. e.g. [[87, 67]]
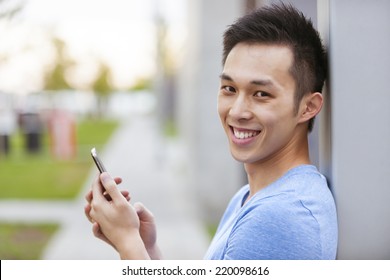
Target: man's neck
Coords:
[[261, 174]]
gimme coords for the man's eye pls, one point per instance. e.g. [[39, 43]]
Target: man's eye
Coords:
[[262, 94], [229, 89]]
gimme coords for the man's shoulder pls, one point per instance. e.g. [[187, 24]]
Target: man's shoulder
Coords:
[[304, 182]]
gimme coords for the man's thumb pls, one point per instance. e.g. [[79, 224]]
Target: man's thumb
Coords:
[[143, 213]]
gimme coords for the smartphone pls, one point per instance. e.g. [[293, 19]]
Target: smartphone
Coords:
[[97, 161]]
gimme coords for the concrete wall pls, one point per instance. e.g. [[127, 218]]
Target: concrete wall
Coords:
[[351, 140], [359, 45]]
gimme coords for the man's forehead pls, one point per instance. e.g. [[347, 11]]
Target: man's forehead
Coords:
[[261, 50], [259, 64]]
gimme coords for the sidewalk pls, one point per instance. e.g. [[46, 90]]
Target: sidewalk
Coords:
[[151, 171]]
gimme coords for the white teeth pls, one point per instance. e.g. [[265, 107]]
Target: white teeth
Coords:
[[245, 135]]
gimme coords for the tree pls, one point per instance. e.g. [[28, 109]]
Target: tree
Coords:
[[9, 11], [102, 87], [55, 77], [144, 83]]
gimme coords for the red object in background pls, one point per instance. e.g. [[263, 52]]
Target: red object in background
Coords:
[[62, 132]]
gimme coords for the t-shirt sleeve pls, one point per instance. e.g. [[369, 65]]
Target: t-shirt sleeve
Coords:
[[274, 232]]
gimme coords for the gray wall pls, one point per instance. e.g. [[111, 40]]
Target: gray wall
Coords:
[[351, 140], [359, 44]]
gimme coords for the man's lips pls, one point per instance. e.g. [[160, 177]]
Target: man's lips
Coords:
[[243, 133]]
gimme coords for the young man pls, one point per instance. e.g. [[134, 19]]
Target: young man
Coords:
[[274, 68]]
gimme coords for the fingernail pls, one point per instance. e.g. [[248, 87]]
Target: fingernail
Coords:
[[138, 207], [105, 177]]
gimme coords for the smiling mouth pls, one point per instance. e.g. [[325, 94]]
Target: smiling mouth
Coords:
[[244, 133]]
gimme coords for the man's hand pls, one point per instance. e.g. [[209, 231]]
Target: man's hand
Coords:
[[114, 219], [148, 231]]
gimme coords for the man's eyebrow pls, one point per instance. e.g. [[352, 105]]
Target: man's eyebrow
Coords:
[[263, 82], [223, 76], [259, 82]]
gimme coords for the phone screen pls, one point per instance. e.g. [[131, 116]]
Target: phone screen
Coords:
[[97, 161]]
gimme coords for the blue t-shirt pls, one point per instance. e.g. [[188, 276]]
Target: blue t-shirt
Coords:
[[292, 218]]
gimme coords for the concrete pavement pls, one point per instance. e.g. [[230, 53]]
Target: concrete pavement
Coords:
[[152, 170]]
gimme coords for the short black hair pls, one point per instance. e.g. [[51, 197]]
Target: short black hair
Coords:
[[282, 24]]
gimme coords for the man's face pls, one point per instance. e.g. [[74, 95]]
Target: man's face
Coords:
[[256, 102]]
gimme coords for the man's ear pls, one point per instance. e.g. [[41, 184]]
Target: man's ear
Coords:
[[311, 105]]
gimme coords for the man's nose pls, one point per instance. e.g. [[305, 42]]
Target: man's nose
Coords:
[[241, 108]]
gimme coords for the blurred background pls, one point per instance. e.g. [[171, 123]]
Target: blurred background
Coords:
[[138, 80]]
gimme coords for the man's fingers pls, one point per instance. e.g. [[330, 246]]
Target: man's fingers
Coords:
[[97, 190], [96, 230], [87, 209], [126, 195], [88, 196], [118, 180], [110, 186]]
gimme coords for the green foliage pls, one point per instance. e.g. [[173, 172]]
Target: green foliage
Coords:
[[211, 230], [142, 84], [55, 78], [170, 128], [24, 242], [9, 11], [102, 85], [41, 176], [95, 131]]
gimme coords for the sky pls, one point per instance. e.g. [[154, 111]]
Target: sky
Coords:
[[120, 33]]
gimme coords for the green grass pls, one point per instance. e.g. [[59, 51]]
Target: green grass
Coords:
[[211, 230], [170, 129], [24, 242], [41, 176]]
